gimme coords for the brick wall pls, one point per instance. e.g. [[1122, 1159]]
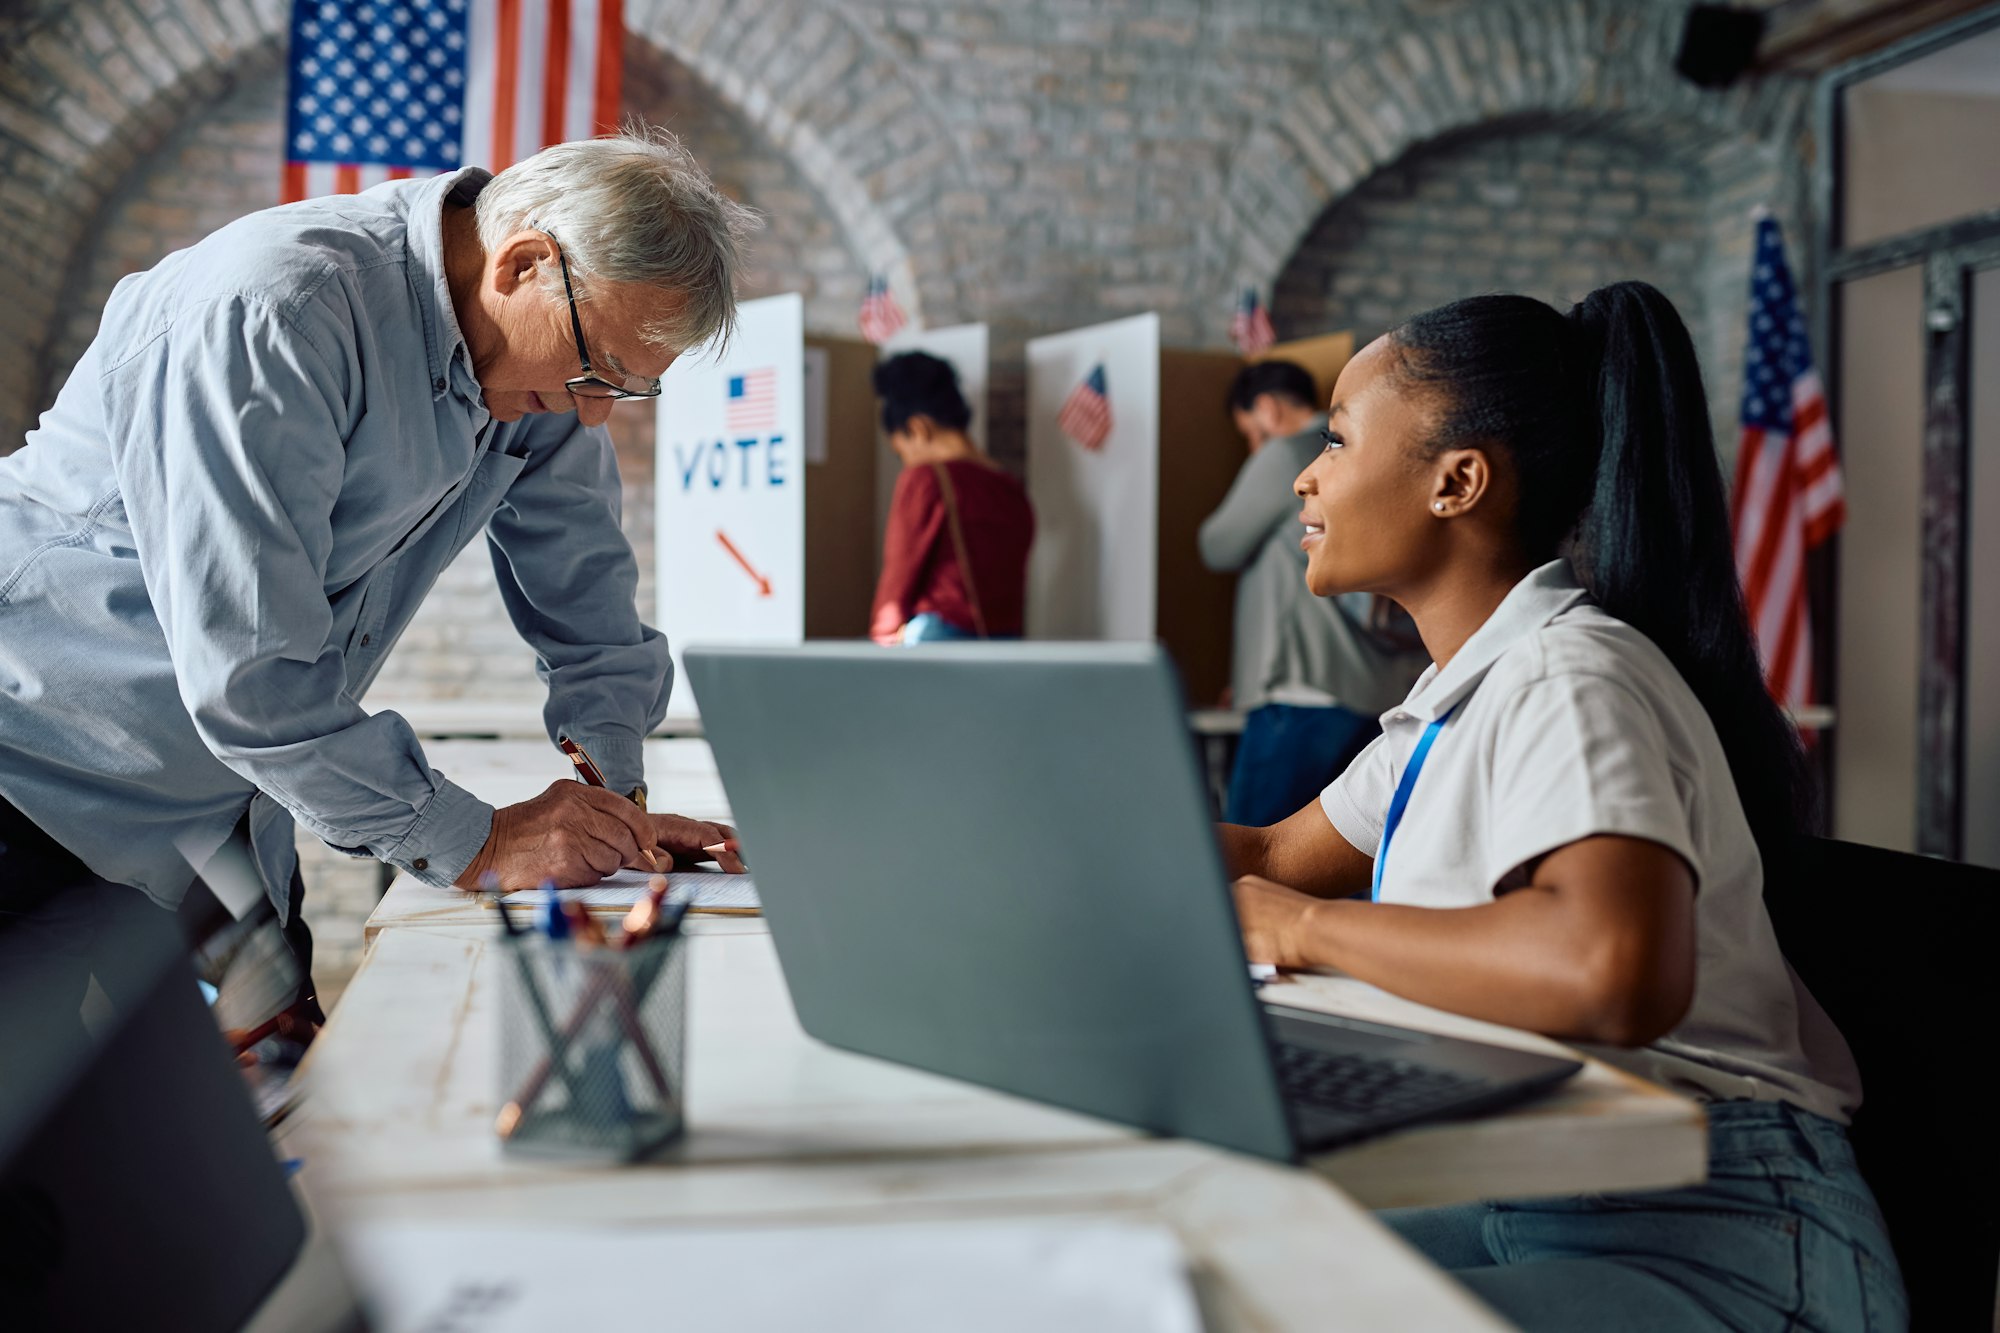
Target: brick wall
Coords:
[[1537, 208]]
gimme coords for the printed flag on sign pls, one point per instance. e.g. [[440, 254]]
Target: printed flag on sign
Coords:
[[1788, 497], [880, 315], [386, 89], [1250, 327], [1086, 413], [751, 400]]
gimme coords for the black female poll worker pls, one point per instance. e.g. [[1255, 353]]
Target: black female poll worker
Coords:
[[1567, 825]]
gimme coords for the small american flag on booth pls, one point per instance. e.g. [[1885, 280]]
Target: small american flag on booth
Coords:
[[1086, 413], [1250, 327], [386, 89], [750, 401], [880, 316], [1788, 496]]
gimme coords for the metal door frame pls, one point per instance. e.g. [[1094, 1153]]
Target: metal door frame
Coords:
[[1950, 254]]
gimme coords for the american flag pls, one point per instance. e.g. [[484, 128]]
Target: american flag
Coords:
[[1086, 413], [1250, 327], [385, 89], [1788, 496], [880, 315], [751, 400]]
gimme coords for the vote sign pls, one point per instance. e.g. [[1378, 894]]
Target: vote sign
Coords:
[[729, 488]]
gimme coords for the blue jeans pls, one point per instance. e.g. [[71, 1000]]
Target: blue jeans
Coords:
[[1288, 755], [930, 627], [1785, 1235]]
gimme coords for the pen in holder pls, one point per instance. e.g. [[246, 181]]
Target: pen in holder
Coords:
[[592, 1047]]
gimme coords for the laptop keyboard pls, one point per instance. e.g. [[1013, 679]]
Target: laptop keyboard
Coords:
[[1366, 1086]]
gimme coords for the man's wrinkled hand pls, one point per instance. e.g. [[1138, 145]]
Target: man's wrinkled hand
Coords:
[[572, 834]]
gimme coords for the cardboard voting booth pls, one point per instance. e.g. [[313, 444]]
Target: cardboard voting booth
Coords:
[[1093, 476], [843, 538], [1116, 554], [730, 489]]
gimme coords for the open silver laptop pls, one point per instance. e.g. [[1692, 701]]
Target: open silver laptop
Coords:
[[996, 861]]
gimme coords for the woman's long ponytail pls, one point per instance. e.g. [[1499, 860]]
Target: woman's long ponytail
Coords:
[[1653, 545]]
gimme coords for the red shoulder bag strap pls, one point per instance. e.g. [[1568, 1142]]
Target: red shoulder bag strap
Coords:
[[958, 544]]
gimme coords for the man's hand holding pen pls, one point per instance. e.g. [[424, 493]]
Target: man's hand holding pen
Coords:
[[572, 833], [576, 834]]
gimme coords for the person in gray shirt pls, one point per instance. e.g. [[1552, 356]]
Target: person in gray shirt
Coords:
[[243, 493], [1309, 673]]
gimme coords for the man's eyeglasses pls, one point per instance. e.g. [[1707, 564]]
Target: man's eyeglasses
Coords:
[[590, 384]]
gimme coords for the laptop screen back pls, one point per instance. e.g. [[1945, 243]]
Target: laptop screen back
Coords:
[[996, 862]]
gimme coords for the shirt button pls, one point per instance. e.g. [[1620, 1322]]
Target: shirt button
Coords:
[[438, 385], [367, 639], [421, 863]]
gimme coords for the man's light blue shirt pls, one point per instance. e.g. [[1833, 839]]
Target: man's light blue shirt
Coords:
[[233, 510]]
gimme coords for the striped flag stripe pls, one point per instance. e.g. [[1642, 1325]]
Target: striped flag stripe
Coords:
[[1771, 538], [530, 68], [555, 73], [506, 66], [608, 65], [482, 33], [1757, 472]]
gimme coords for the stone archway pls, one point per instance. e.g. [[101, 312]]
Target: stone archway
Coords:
[[1588, 61]]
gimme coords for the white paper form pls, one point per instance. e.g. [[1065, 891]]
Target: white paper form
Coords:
[[711, 890], [970, 1277]]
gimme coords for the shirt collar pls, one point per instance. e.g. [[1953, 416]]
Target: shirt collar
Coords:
[[443, 340], [1540, 597]]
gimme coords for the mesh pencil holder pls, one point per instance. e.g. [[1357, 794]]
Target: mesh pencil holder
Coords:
[[593, 1046]]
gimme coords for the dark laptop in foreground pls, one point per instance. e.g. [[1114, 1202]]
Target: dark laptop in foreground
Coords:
[[996, 861]]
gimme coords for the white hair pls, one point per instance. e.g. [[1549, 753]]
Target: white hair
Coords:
[[633, 207]]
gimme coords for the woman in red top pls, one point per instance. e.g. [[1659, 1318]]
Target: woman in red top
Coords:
[[955, 557]]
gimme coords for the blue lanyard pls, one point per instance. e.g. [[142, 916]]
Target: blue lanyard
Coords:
[[1402, 797]]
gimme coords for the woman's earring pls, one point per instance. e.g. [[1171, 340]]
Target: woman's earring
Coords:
[[1438, 505]]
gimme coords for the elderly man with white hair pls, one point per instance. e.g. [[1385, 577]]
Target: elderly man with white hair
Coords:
[[277, 441]]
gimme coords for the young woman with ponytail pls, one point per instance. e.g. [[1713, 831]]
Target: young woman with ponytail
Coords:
[[1567, 825]]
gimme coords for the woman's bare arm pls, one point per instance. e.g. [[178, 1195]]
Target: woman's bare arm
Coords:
[[1304, 850], [1598, 947]]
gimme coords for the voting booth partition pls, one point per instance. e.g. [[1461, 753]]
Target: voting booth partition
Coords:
[[1093, 475], [1116, 552], [843, 534]]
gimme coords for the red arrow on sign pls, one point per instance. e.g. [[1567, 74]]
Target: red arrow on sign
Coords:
[[763, 584]]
